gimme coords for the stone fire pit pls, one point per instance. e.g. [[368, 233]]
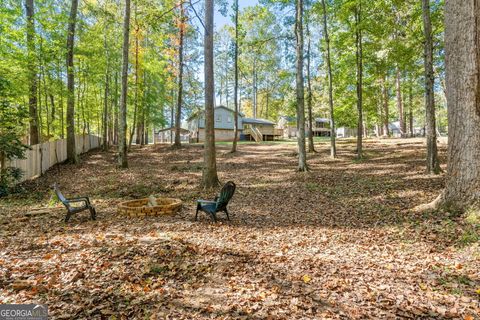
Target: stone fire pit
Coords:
[[140, 208]]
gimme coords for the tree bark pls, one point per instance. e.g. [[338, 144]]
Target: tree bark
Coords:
[[302, 155], [433, 165], [235, 86], [135, 99], [178, 115], [106, 93], [71, 147], [386, 111], [311, 146], [401, 118], [410, 110], [359, 58], [122, 123], [116, 113], [254, 94], [210, 177], [32, 73], [333, 146], [462, 49]]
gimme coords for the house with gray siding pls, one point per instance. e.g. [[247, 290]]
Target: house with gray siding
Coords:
[[224, 125], [249, 129]]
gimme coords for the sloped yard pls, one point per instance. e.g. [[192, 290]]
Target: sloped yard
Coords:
[[339, 242]]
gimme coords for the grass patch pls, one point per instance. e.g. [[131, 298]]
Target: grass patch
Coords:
[[312, 186]]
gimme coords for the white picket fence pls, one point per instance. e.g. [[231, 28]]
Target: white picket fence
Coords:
[[44, 156]]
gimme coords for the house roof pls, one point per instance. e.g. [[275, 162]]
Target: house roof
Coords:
[[198, 113], [288, 118], [257, 121], [325, 120]]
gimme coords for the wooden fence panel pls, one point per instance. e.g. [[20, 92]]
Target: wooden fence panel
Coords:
[[44, 156]]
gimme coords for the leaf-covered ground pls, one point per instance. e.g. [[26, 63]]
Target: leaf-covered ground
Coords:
[[339, 242]]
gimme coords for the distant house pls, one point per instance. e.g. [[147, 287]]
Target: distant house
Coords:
[[321, 126], [249, 129], [344, 132], [288, 125], [260, 130], [167, 135]]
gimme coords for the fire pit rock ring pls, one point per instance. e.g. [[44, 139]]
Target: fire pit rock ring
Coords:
[[140, 207]]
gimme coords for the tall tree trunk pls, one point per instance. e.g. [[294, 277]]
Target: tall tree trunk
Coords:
[[311, 146], [410, 110], [106, 93], [462, 61], [122, 125], [386, 111], [32, 74], [53, 113], [116, 112], [135, 99], [254, 95], [105, 113], [71, 148], [333, 146], [172, 116], [302, 155], [401, 118], [359, 58], [235, 86], [379, 124], [178, 115], [210, 177], [433, 165]]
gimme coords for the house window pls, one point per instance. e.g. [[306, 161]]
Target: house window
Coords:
[[219, 118], [229, 119]]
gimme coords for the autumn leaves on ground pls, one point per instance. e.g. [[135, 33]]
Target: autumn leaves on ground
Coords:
[[339, 242]]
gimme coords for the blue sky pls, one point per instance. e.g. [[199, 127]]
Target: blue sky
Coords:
[[220, 20]]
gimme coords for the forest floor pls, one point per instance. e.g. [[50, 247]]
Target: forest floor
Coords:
[[342, 241]]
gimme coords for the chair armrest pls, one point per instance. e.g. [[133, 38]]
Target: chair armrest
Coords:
[[73, 200], [205, 201]]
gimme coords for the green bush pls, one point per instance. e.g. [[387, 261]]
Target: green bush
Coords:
[[11, 132]]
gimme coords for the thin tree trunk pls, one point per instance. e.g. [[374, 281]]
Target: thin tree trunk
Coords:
[[32, 74], [135, 99], [62, 116], [178, 115], [254, 89], [359, 57], [311, 146], [235, 87], [401, 118], [379, 124], [210, 177], [106, 93], [302, 156], [172, 116], [116, 113], [386, 111], [333, 146], [122, 141], [410, 110], [433, 165], [52, 112], [71, 148]]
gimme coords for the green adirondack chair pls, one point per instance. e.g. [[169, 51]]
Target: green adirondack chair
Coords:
[[71, 210], [219, 204]]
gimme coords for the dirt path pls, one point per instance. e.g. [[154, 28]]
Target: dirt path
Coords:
[[339, 242]]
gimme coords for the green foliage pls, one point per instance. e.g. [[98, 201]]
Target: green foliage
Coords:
[[11, 146]]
